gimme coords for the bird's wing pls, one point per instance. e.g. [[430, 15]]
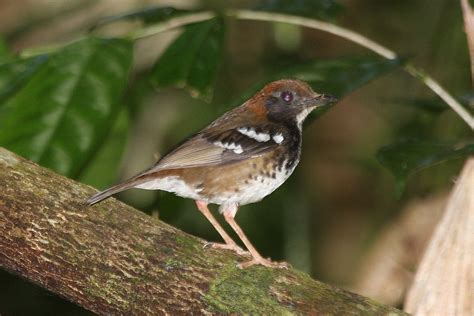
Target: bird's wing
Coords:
[[213, 147]]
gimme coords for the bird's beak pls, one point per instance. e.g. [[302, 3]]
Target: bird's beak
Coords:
[[320, 100], [324, 99]]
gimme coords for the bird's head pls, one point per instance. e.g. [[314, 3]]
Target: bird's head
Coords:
[[289, 100]]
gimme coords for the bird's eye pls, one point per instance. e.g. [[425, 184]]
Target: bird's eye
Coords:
[[287, 96]]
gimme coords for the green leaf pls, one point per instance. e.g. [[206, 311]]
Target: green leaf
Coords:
[[468, 98], [15, 74], [192, 60], [4, 51], [148, 15], [338, 77], [102, 170], [405, 157], [56, 109], [322, 9], [433, 106]]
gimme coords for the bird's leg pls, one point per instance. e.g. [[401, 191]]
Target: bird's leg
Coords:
[[229, 242], [229, 215]]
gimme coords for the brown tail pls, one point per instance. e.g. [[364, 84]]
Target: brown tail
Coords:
[[128, 184]]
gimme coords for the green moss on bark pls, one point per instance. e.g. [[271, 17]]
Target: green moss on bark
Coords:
[[112, 259]]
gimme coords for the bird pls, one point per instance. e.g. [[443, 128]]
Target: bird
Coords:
[[240, 158]]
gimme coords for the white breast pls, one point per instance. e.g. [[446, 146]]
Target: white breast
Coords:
[[172, 184]]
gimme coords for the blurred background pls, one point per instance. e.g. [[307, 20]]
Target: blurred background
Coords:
[[340, 217]]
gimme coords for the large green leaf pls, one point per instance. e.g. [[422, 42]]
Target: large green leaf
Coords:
[[56, 109], [4, 51], [15, 74], [338, 77], [434, 106], [405, 157], [192, 60], [148, 15], [103, 169], [322, 9]]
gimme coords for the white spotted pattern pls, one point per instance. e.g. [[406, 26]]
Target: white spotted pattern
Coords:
[[302, 116], [278, 138], [255, 190], [250, 132], [231, 146]]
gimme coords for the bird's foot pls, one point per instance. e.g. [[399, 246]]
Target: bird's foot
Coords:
[[232, 247], [264, 262]]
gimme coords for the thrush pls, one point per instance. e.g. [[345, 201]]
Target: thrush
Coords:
[[238, 159]]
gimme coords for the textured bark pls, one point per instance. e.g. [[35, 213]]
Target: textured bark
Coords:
[[444, 282], [113, 259]]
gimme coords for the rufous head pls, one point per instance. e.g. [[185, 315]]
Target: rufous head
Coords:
[[289, 100]]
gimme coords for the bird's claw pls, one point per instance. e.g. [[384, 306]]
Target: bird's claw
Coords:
[[264, 262], [231, 247]]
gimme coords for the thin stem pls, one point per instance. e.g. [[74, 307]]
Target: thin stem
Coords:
[[362, 41], [318, 25], [172, 24], [314, 24], [442, 93]]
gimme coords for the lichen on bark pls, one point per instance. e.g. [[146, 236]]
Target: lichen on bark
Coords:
[[113, 259]]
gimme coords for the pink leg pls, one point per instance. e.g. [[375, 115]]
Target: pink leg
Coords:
[[229, 242], [257, 258]]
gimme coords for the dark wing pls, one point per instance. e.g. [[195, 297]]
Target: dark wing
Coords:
[[214, 148]]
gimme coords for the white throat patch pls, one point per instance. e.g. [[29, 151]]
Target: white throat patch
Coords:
[[302, 115]]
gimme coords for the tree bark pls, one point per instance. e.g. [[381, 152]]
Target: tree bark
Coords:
[[444, 281], [113, 259]]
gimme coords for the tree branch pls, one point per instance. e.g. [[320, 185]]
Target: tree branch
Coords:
[[113, 259]]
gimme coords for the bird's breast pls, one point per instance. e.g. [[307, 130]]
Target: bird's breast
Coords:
[[249, 181]]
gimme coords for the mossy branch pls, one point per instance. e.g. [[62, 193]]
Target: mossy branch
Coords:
[[113, 259]]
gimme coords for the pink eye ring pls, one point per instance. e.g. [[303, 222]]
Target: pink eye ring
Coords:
[[287, 96]]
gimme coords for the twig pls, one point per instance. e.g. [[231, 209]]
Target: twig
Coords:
[[318, 25], [172, 24], [315, 24]]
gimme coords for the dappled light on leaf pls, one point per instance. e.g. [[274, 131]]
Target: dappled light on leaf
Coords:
[[58, 107], [408, 156], [338, 77], [192, 60], [147, 16]]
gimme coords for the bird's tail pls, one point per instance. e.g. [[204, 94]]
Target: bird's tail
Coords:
[[113, 190]]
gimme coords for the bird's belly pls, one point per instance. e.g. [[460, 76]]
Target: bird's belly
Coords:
[[254, 190], [234, 183], [172, 184], [246, 184]]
